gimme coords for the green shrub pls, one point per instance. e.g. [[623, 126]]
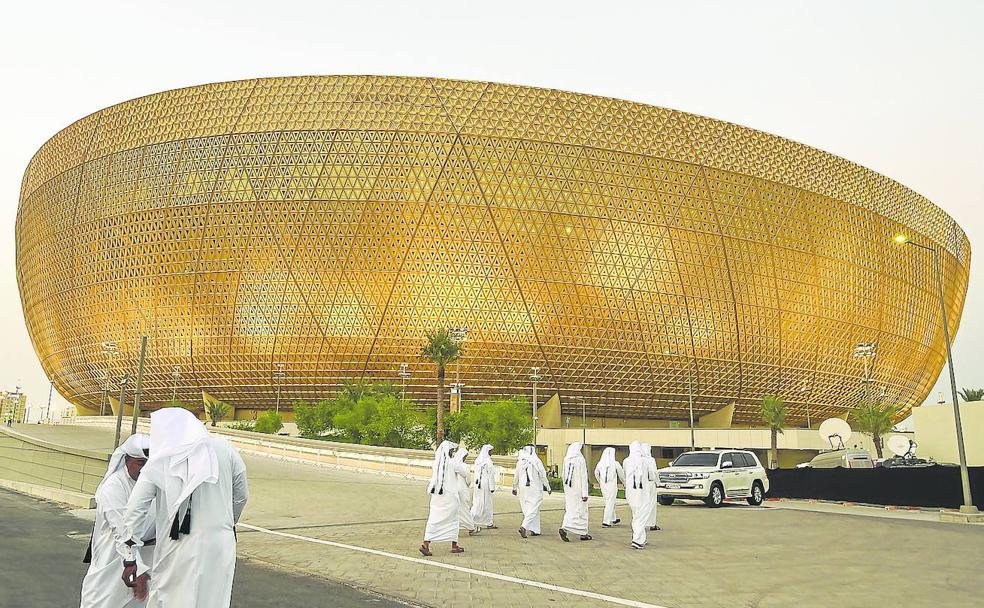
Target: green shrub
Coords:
[[243, 425], [313, 419], [505, 424], [370, 414], [268, 422]]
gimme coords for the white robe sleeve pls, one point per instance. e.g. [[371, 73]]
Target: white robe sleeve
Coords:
[[621, 472], [240, 487], [461, 469], [491, 482], [136, 521]]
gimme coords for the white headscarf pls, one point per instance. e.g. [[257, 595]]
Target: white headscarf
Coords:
[[441, 467], [527, 458], [571, 461], [135, 446], [606, 466], [484, 456], [483, 460], [635, 466], [181, 453]]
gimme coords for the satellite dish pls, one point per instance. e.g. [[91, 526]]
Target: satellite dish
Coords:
[[836, 431], [900, 445]]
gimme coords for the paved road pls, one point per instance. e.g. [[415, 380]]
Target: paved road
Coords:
[[364, 528], [41, 548]]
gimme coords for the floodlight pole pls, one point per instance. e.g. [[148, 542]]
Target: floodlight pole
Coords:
[[968, 501], [138, 390], [47, 410], [534, 376]]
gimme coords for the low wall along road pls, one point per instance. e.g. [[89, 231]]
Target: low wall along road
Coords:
[[48, 470]]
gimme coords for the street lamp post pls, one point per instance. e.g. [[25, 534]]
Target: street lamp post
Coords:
[[404, 373], [690, 398], [535, 376], [119, 412], [968, 503], [279, 375], [176, 374], [866, 351], [458, 334], [109, 349]]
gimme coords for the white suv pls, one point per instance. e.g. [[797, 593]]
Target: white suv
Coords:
[[712, 476]]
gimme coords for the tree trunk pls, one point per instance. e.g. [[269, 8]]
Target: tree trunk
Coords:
[[877, 440], [440, 404], [774, 454]]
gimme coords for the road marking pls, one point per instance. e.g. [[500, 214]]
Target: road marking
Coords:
[[435, 564]]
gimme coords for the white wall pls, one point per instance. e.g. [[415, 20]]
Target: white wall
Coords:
[[936, 432]]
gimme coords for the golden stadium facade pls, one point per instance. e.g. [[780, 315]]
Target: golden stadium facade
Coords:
[[323, 225]]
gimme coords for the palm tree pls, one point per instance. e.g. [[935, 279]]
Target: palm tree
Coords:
[[875, 419], [442, 350], [774, 414], [217, 410], [972, 394]]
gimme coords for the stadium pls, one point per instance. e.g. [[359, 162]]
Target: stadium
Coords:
[[277, 237]]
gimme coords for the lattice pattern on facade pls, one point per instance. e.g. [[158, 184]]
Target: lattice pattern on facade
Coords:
[[328, 223]]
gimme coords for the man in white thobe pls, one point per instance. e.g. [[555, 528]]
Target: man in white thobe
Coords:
[[484, 471], [199, 483], [636, 477], [609, 472], [465, 519], [529, 483], [102, 587], [652, 473], [575, 478], [443, 518]]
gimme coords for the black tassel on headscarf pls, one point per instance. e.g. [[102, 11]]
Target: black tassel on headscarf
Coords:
[[186, 524], [179, 526]]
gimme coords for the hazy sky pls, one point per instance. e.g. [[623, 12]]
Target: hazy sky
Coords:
[[895, 86]]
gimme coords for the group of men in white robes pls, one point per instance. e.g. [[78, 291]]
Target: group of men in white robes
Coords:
[[458, 503], [169, 527], [455, 501]]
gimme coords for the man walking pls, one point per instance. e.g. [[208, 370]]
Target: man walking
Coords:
[[529, 484], [636, 478], [443, 518], [199, 483], [484, 471], [652, 473], [102, 587], [575, 494], [609, 472]]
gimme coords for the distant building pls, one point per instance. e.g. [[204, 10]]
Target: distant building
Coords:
[[13, 404]]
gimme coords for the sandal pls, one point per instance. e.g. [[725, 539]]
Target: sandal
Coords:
[[425, 551], [523, 532], [586, 537], [457, 549], [492, 527], [563, 535]]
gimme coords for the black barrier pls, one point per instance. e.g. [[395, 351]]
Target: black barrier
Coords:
[[936, 486]]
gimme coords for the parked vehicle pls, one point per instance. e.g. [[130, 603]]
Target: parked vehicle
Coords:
[[848, 458], [713, 476]]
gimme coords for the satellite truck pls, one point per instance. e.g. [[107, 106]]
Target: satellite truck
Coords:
[[836, 431]]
